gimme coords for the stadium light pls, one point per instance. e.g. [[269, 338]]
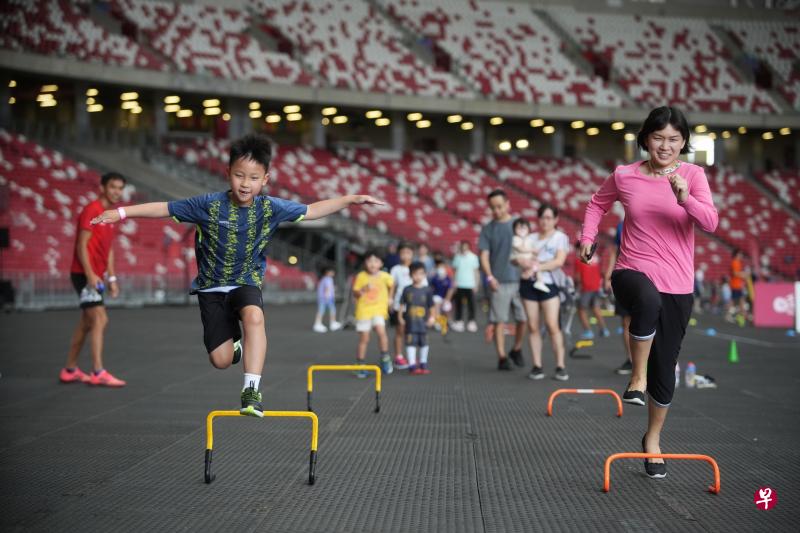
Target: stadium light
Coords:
[[44, 97], [466, 126], [423, 124], [548, 130], [184, 113], [252, 106], [273, 118], [92, 92], [340, 119], [226, 117], [577, 124], [504, 146], [767, 135], [128, 96], [328, 111], [212, 111], [413, 117], [292, 260], [712, 136], [49, 88], [630, 137], [374, 113], [325, 121], [94, 108], [726, 134], [454, 119], [742, 130], [12, 100], [129, 104], [383, 121], [214, 102], [496, 121], [172, 99], [700, 128], [592, 131], [48, 103], [136, 110], [291, 109], [522, 143], [785, 131], [12, 83], [172, 108], [255, 113], [537, 123], [90, 101], [294, 117], [616, 126]]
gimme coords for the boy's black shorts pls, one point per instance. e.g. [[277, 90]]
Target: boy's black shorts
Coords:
[[417, 339], [219, 312]]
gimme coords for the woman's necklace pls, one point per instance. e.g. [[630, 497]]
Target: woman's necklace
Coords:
[[663, 171]]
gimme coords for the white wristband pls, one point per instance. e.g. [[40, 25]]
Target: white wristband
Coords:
[[112, 279], [122, 214]]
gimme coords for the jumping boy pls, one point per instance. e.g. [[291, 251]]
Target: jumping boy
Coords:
[[371, 290], [233, 230], [418, 313]]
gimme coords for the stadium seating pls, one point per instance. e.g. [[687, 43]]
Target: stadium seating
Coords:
[[309, 174], [666, 59], [777, 43], [353, 46], [505, 50], [750, 219], [61, 27], [785, 184], [46, 192], [205, 39]]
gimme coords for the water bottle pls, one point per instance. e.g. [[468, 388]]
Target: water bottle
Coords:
[[691, 369], [677, 374]]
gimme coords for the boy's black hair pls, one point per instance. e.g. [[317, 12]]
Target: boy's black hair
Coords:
[[736, 251], [521, 221], [405, 245], [253, 146], [108, 176], [497, 192], [465, 241], [658, 119], [324, 270], [544, 207], [372, 252], [416, 265]]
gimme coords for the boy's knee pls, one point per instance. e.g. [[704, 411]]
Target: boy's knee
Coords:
[[219, 360], [252, 318]]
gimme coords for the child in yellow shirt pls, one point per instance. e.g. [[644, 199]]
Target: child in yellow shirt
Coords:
[[372, 290]]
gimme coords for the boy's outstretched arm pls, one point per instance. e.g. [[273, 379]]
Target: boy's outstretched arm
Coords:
[[327, 207], [150, 210]]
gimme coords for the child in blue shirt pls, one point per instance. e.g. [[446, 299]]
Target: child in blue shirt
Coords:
[[326, 301], [233, 230]]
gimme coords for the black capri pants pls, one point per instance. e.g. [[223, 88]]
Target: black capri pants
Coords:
[[655, 315]]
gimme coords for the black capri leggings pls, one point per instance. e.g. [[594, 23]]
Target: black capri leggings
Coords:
[[655, 315], [463, 296]]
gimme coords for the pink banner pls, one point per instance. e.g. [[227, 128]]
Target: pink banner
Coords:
[[774, 305]]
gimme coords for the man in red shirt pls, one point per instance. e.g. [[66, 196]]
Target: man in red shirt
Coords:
[[587, 281], [93, 258]]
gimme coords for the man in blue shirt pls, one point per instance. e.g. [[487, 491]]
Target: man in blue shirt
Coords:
[[233, 230]]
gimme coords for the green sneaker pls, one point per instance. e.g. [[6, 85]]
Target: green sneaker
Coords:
[[251, 403], [237, 352]]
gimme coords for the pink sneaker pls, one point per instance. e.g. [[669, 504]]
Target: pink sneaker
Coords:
[[400, 362], [105, 379], [76, 376]]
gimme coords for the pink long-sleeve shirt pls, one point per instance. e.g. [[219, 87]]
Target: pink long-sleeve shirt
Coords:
[[658, 234]]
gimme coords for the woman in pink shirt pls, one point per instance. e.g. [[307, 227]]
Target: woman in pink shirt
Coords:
[[664, 199]]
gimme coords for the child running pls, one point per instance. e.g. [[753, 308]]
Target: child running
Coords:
[[233, 230], [371, 290], [326, 301], [521, 248], [417, 315]]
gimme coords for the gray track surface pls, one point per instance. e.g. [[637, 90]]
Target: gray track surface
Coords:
[[464, 449]]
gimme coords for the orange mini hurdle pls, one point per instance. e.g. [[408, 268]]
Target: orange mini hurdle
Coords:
[[714, 489], [583, 391]]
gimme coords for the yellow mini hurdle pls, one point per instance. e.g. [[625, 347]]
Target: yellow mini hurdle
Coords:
[[344, 368]]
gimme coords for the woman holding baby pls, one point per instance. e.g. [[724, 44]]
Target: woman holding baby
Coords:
[[540, 257]]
